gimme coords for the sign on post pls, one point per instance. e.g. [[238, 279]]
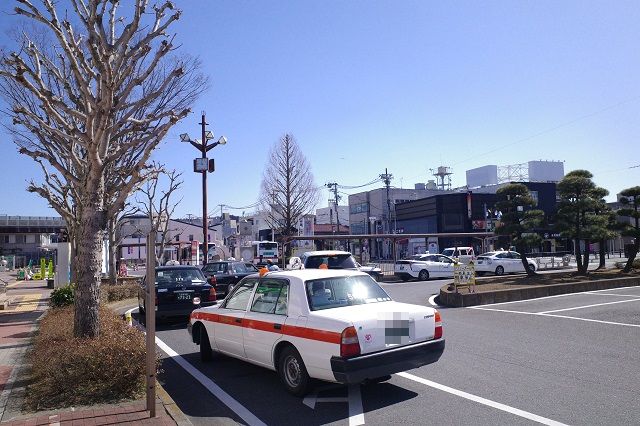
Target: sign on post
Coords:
[[464, 275]]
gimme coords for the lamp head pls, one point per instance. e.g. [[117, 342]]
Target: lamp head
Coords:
[[185, 138], [222, 140], [208, 135]]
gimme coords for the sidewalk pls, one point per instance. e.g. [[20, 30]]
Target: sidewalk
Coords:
[[29, 300]]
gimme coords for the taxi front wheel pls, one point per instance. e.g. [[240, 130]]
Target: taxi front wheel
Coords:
[[292, 372]]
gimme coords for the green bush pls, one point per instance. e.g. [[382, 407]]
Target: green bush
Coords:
[[62, 296], [69, 371]]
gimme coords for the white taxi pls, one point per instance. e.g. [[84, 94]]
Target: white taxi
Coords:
[[425, 266], [502, 262], [333, 325]]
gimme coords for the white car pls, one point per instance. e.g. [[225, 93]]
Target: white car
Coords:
[[333, 325], [501, 262], [424, 266], [462, 254]]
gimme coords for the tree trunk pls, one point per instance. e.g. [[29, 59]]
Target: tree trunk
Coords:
[[578, 253], [634, 252], [523, 258], [602, 254], [89, 265], [585, 260]]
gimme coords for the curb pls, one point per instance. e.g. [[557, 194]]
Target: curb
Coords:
[[171, 407], [458, 300], [168, 403]]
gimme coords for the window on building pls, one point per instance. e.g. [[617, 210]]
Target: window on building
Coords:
[[191, 237], [4, 239], [12, 239], [21, 239], [534, 195], [30, 239], [359, 208], [177, 238]]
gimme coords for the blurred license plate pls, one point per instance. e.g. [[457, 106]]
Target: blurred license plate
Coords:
[[183, 296]]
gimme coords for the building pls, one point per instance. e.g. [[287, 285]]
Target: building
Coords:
[[132, 239], [468, 212], [27, 237], [327, 215], [373, 212]]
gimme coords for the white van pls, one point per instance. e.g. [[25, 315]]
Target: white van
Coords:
[[462, 254]]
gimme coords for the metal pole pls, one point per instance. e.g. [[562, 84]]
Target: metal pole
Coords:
[[205, 241], [150, 317]]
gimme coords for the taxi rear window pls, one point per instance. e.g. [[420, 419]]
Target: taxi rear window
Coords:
[[336, 292]]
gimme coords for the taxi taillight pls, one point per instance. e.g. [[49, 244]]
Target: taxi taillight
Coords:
[[349, 345], [438, 333], [212, 294]]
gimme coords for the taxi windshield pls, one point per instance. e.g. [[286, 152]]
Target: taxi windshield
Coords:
[[336, 292]]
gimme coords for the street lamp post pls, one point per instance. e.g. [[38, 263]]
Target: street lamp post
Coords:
[[204, 166]]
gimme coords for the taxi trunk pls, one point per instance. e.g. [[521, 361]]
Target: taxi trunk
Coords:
[[386, 325]]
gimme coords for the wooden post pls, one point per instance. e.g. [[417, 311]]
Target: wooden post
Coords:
[[150, 317]]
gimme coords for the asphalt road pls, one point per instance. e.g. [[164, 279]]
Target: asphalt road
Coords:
[[571, 359]]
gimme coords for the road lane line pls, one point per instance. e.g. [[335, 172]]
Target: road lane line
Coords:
[[554, 316], [483, 401], [556, 295], [588, 306], [212, 387], [356, 413], [612, 294]]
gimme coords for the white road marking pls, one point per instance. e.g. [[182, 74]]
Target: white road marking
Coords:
[[356, 413], [311, 400], [554, 316], [557, 295], [588, 306], [432, 301], [612, 294], [484, 401], [216, 390]]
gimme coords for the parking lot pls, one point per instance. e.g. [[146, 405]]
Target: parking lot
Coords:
[[570, 359]]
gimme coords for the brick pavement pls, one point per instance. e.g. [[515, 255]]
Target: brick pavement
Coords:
[[17, 325]]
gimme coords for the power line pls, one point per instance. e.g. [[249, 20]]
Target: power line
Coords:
[[551, 129]]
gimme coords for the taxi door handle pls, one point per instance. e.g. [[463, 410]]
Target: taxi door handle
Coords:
[[238, 319], [277, 326]]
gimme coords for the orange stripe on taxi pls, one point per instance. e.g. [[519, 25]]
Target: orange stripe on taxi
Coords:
[[288, 330]]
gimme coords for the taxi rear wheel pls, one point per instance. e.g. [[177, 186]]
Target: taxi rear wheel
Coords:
[[423, 275], [499, 270], [292, 371], [206, 354]]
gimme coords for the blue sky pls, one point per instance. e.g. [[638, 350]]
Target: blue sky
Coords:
[[406, 85]]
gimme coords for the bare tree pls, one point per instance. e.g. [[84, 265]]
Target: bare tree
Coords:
[[158, 205], [288, 190], [114, 226], [89, 108]]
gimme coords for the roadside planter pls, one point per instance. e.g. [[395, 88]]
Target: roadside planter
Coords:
[[457, 300]]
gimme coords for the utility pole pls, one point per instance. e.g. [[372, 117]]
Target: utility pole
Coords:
[[386, 178], [333, 187]]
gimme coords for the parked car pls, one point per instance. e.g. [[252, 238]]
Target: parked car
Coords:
[[336, 259], [501, 262], [333, 325], [425, 266], [462, 254], [179, 290], [224, 275]]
